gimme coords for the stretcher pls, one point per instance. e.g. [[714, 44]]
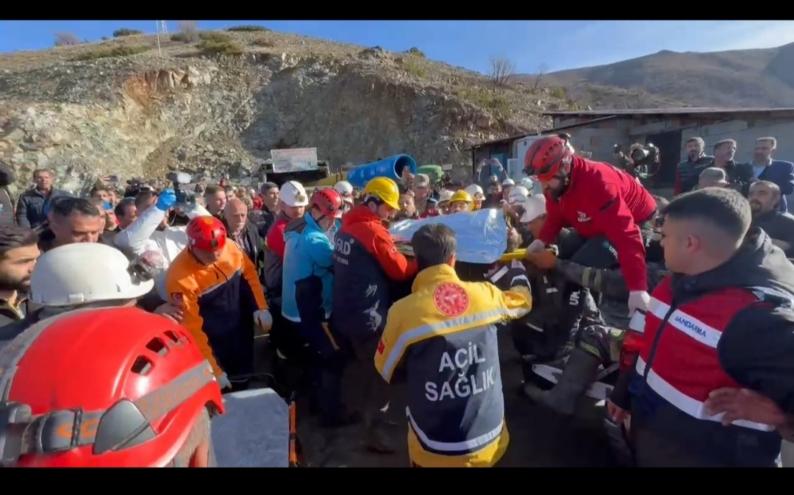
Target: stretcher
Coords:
[[257, 430]]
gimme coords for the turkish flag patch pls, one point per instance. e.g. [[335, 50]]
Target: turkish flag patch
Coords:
[[451, 299]]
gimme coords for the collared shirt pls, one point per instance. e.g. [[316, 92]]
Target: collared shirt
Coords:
[[10, 313]]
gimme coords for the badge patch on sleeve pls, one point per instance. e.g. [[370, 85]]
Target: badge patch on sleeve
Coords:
[[451, 299]]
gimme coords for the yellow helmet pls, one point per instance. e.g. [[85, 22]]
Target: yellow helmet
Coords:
[[460, 195], [384, 189]]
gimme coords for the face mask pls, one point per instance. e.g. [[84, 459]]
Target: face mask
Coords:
[[106, 205]]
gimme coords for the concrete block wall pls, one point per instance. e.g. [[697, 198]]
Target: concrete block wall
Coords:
[[745, 133]]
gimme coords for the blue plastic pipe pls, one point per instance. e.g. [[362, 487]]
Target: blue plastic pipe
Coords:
[[390, 167]]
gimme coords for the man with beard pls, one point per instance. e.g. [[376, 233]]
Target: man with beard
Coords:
[[18, 254], [764, 199], [778, 171], [604, 205], [687, 173]]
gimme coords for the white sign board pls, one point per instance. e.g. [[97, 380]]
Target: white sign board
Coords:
[[294, 160]]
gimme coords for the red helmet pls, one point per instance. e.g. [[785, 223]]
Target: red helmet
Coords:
[[545, 156], [328, 201], [206, 233], [102, 387]]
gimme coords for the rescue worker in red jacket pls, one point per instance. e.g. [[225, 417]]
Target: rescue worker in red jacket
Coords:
[[605, 206], [724, 319], [366, 265], [215, 284]]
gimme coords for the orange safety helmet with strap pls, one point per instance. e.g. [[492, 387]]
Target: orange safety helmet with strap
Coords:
[[206, 233], [102, 387], [546, 155]]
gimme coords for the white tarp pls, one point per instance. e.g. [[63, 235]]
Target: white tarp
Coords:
[[254, 431], [481, 235], [294, 160]]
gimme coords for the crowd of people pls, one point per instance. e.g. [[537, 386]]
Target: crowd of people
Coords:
[[690, 299]]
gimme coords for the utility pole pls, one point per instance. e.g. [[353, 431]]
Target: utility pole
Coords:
[[160, 27]]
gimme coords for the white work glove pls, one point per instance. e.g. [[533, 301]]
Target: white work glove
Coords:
[[223, 381], [638, 299], [263, 320], [536, 246]]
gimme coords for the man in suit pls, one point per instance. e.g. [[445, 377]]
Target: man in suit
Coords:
[[778, 171]]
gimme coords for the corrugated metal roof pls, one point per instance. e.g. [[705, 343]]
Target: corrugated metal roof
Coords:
[[668, 111], [543, 131]]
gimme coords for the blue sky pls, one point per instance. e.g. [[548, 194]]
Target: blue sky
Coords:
[[529, 44]]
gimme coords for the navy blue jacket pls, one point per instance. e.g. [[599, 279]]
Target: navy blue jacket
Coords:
[[781, 173]]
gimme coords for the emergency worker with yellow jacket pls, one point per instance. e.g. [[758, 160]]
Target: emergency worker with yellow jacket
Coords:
[[443, 337]]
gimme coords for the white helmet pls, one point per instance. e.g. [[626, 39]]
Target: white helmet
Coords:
[[534, 206], [344, 188], [528, 183], [474, 190], [508, 182], [83, 273], [445, 195], [292, 193], [517, 195]]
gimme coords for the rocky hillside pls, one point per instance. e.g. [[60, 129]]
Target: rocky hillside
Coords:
[[737, 78], [120, 107]]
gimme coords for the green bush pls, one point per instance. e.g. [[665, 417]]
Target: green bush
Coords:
[[558, 92], [125, 32], [215, 37], [248, 28], [212, 47], [118, 51], [415, 51], [485, 98], [184, 38]]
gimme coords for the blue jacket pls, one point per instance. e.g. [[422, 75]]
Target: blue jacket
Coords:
[[491, 167], [781, 173], [366, 267], [308, 253]]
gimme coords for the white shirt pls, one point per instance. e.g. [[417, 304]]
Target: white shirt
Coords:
[[142, 235]]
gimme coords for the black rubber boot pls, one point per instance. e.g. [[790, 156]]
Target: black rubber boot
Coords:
[[578, 375]]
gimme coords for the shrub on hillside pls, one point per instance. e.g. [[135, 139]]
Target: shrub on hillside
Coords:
[[215, 37], [118, 51], [211, 47], [125, 32], [248, 28], [188, 31], [415, 51], [66, 39]]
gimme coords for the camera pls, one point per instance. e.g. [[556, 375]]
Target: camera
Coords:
[[184, 200], [642, 160]]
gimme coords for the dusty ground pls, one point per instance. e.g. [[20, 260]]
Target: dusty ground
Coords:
[[539, 438]]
